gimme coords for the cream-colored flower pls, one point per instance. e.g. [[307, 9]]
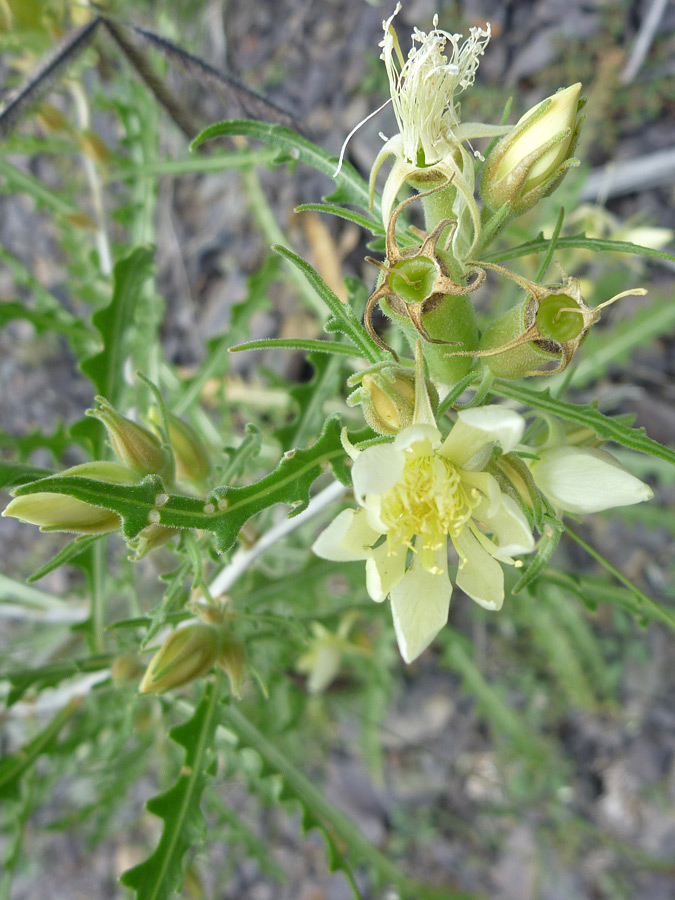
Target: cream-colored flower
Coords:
[[414, 495], [586, 480], [429, 146], [424, 87], [323, 659]]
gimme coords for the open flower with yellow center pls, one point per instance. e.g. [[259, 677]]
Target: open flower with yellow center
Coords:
[[415, 495]]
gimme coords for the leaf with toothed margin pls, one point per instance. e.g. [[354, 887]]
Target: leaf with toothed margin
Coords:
[[56, 443], [13, 474], [346, 845], [227, 508], [133, 504], [606, 427], [308, 399], [160, 876], [129, 277]]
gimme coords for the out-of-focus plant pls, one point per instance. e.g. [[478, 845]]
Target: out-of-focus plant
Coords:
[[254, 626]]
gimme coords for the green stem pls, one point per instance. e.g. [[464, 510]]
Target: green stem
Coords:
[[274, 235], [546, 261], [438, 206], [491, 229], [483, 390], [452, 396], [606, 564], [98, 551], [333, 819]]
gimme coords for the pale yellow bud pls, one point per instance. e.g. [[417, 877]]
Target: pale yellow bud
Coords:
[[231, 659], [59, 512], [187, 654], [387, 397], [531, 160], [192, 461]]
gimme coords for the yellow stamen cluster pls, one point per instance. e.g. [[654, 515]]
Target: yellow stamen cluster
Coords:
[[428, 501]]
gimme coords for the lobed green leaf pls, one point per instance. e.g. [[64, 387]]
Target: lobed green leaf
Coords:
[[227, 508], [129, 276], [160, 875]]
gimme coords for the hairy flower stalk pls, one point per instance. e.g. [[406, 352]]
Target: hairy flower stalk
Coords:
[[416, 495]]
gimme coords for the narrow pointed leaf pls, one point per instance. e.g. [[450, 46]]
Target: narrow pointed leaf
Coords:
[[605, 427], [352, 188]]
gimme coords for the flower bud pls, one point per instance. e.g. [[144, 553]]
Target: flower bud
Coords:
[[387, 397], [59, 512], [185, 655], [322, 661], [150, 538], [192, 461], [530, 162], [133, 445], [586, 480], [516, 481], [231, 660]]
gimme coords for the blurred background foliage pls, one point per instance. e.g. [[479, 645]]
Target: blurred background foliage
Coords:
[[527, 755]]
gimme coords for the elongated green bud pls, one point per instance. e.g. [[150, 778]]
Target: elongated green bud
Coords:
[[530, 162], [187, 654], [59, 512], [133, 445]]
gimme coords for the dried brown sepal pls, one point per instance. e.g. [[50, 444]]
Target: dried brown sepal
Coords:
[[543, 320], [425, 292]]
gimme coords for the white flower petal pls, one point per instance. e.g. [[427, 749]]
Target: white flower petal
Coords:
[[384, 570], [511, 530], [394, 146], [585, 480], [419, 606], [488, 488], [400, 172], [475, 428], [376, 470], [347, 538], [427, 435], [479, 575]]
